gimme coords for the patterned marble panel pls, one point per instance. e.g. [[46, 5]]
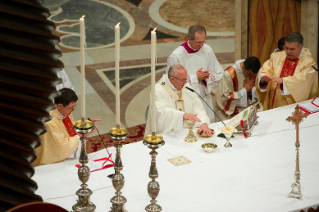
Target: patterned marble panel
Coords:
[[100, 20], [127, 75]]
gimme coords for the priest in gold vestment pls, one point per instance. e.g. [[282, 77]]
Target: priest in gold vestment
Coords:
[[60, 141], [288, 77]]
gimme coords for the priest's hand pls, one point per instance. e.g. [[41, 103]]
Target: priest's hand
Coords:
[[204, 130], [191, 117], [95, 120], [277, 79], [95, 127], [93, 131], [249, 84], [202, 75], [266, 78]]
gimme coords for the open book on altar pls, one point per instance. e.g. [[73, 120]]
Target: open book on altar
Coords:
[[310, 107], [245, 120]]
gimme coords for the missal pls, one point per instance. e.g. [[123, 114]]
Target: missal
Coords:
[[310, 107]]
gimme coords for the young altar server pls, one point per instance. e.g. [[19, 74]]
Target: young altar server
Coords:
[[236, 90]]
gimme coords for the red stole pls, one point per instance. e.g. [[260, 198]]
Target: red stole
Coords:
[[288, 69], [69, 126], [188, 49]]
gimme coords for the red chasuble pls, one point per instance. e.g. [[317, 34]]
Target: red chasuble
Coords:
[[69, 126]]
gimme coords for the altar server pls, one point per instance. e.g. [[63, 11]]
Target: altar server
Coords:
[[288, 77], [236, 91], [203, 69], [175, 103]]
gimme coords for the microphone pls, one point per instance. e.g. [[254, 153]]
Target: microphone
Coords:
[[97, 130], [314, 68], [192, 90], [220, 134]]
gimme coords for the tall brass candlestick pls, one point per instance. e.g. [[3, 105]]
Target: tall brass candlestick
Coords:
[[118, 201], [296, 118], [84, 203], [153, 142]]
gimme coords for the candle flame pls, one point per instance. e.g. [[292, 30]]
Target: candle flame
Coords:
[[154, 29], [118, 24]]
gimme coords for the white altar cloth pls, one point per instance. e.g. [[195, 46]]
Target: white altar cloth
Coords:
[[254, 175]]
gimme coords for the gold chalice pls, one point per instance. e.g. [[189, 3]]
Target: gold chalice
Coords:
[[228, 132], [190, 138]]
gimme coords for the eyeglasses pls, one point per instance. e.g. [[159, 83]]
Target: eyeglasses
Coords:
[[199, 42], [182, 80], [70, 108]]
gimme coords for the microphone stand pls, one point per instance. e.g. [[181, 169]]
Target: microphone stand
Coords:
[[97, 130], [221, 135]]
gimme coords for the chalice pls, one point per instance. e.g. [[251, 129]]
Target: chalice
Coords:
[[228, 132], [190, 138]]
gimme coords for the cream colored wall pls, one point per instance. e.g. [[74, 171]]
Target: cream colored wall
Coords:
[[309, 25], [241, 29]]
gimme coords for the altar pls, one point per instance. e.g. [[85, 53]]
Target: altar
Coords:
[[255, 174]]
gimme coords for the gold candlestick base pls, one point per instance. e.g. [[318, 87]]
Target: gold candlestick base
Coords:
[[84, 203], [118, 201], [153, 142]]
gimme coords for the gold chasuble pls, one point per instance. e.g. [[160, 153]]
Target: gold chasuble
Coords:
[[59, 142], [300, 79]]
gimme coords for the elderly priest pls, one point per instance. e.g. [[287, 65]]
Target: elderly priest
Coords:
[[174, 104]]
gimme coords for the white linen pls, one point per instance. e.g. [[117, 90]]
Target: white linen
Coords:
[[254, 175]]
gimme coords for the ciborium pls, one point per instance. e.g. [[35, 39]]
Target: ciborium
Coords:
[[153, 142], [118, 201], [228, 132], [84, 203], [190, 138]]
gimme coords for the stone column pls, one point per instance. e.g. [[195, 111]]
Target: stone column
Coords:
[[241, 29], [309, 25]]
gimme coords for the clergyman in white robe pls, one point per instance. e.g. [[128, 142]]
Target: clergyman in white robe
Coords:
[[192, 60], [168, 118]]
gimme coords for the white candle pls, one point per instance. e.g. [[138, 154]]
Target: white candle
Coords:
[[117, 74], [82, 43], [153, 58]]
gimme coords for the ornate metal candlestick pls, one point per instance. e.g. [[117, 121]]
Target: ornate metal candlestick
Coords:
[[153, 142], [84, 204], [118, 134], [190, 138], [296, 118]]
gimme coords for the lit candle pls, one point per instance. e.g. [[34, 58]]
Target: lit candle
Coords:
[[153, 57], [117, 74], [82, 43]]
